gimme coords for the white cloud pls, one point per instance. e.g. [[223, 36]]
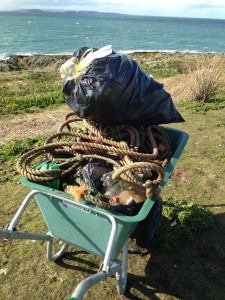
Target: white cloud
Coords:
[[182, 8]]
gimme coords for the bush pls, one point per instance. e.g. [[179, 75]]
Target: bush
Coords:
[[181, 221], [206, 79]]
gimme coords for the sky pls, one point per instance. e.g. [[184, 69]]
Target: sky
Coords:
[[214, 9]]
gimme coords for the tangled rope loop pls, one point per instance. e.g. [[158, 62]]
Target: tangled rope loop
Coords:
[[137, 156]]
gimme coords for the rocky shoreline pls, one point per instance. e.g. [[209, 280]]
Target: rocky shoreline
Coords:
[[28, 62]]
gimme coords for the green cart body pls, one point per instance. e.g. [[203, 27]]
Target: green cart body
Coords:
[[98, 231]]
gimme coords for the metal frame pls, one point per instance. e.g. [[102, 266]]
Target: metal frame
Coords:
[[107, 269]]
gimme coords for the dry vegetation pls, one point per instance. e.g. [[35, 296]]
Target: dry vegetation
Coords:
[[192, 270], [206, 79], [43, 123]]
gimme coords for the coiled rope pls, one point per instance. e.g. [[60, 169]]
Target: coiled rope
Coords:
[[79, 141]]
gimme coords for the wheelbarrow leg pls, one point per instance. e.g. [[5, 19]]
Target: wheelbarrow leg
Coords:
[[87, 283], [121, 275], [119, 269], [56, 256]]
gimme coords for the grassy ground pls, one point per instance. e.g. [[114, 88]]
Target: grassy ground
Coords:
[[191, 269], [29, 90]]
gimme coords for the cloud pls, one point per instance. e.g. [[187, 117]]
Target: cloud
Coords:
[[182, 8]]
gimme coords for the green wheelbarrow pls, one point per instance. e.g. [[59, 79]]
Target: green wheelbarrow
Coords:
[[79, 224]]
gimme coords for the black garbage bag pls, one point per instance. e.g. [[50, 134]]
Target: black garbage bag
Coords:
[[114, 90]]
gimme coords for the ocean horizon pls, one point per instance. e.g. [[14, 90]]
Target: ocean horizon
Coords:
[[41, 32]]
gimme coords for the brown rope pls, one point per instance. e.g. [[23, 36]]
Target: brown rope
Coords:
[[88, 138], [153, 143], [97, 199], [122, 156], [138, 165], [92, 129], [67, 124], [134, 137]]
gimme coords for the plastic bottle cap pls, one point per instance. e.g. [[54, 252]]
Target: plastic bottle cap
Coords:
[[116, 199]]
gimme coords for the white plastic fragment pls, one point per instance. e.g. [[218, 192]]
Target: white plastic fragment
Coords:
[[73, 69]]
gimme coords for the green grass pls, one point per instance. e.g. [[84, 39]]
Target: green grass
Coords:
[[189, 217], [26, 91], [181, 221], [190, 241], [166, 67], [160, 70], [11, 151], [203, 106], [186, 261]]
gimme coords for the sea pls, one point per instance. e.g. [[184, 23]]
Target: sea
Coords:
[[42, 32]]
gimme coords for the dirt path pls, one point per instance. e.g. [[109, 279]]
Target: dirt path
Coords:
[[45, 123]]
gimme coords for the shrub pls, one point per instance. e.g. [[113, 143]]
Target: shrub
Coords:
[[206, 79], [181, 221]]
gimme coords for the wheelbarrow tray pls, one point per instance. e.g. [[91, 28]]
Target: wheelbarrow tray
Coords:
[[96, 230], [88, 226]]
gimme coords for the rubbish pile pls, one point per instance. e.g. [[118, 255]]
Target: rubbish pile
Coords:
[[114, 167], [110, 88], [110, 151]]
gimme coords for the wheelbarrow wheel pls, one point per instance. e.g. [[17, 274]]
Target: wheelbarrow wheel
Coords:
[[146, 230]]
